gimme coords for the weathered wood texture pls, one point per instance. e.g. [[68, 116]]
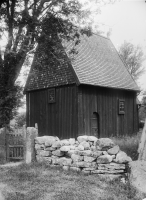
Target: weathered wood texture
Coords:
[[59, 118], [104, 102], [75, 109]]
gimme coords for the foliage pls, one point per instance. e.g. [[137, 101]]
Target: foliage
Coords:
[[129, 144], [54, 183], [25, 23], [10, 100], [133, 57], [20, 119]]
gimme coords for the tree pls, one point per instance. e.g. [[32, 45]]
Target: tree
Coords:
[[20, 120], [133, 57], [25, 23]]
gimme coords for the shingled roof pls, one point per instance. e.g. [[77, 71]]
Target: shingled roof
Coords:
[[96, 63]]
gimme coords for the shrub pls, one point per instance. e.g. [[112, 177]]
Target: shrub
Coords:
[[20, 120], [129, 145]]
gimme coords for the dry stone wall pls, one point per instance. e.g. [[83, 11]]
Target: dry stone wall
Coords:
[[87, 154]]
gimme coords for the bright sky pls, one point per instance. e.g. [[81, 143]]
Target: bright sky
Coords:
[[126, 19]]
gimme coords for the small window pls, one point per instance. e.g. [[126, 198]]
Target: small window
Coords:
[[121, 106], [51, 95]]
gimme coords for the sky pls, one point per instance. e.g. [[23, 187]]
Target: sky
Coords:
[[126, 20]]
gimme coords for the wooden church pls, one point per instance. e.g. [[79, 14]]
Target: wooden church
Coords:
[[93, 94]]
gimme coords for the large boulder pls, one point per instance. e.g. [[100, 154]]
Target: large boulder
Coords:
[[43, 139], [56, 144], [57, 153], [104, 144], [65, 161], [44, 153], [104, 159], [89, 159], [96, 154], [50, 148], [111, 166], [72, 147], [100, 171], [76, 169], [50, 140], [92, 138], [47, 160], [80, 147], [122, 157], [72, 141], [65, 148], [70, 152], [85, 153], [82, 138], [85, 144], [84, 164], [114, 150], [76, 158], [55, 160], [39, 146], [65, 142]]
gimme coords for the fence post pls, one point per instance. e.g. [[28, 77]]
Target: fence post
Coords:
[[31, 134], [24, 142]]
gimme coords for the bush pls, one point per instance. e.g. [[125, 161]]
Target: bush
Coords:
[[20, 120], [129, 145]]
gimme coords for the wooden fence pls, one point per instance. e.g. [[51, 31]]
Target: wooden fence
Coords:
[[13, 143]]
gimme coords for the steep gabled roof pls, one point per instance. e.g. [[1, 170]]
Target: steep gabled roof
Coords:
[[96, 63]]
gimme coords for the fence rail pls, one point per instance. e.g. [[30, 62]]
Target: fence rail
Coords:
[[15, 152]]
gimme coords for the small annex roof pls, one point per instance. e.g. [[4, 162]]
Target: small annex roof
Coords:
[[97, 63]]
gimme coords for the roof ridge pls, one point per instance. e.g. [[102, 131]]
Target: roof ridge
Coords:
[[101, 36]]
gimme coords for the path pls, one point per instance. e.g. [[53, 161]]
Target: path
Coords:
[[138, 175], [2, 186]]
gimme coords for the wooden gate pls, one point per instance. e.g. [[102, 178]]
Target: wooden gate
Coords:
[[15, 145]]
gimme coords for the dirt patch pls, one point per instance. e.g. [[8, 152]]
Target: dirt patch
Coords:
[[2, 188], [138, 175]]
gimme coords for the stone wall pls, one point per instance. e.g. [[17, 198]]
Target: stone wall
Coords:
[[86, 154]]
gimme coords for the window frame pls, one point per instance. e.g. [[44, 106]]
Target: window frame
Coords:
[[121, 110], [50, 92]]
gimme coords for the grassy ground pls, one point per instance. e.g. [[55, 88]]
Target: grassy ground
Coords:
[[40, 182]]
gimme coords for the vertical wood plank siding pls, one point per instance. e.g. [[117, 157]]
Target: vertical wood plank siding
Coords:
[[104, 101], [59, 118], [71, 114]]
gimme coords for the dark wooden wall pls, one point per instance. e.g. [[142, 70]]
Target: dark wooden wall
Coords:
[[59, 118], [70, 115], [104, 101]]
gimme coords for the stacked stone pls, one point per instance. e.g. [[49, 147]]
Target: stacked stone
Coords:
[[88, 154]]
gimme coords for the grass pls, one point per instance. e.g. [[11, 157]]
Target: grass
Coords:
[[41, 182], [129, 144]]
